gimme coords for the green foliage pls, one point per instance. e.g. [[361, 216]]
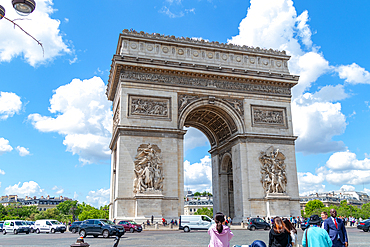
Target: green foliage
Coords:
[[197, 193], [312, 207], [204, 193], [204, 211]]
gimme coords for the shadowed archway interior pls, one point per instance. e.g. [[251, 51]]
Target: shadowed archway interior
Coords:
[[215, 123]]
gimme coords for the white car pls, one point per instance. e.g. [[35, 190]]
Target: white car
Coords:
[[47, 226], [195, 222], [15, 226]]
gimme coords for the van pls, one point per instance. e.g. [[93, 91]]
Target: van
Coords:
[[15, 226], [47, 226], [195, 222]]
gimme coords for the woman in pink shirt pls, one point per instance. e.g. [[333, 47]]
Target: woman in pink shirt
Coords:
[[220, 234]]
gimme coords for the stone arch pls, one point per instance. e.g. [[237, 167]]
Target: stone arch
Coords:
[[216, 119]]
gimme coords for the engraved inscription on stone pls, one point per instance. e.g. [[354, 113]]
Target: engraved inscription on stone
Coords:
[[268, 116], [273, 171], [157, 107], [148, 169]]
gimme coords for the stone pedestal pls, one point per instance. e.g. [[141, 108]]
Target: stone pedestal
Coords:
[[147, 205]]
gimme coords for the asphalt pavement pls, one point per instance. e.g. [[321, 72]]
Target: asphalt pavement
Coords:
[[158, 238]]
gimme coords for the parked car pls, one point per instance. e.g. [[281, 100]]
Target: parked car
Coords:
[[1, 226], [31, 224], [98, 227], [258, 223], [75, 226], [195, 222], [15, 226], [130, 226], [306, 224], [47, 226], [364, 225]]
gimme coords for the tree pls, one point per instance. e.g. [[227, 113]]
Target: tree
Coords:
[[197, 194], [314, 205], [204, 211], [69, 208]]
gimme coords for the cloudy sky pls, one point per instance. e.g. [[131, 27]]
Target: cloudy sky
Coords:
[[55, 120]]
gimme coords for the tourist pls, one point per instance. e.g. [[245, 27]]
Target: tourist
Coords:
[[148, 222], [315, 236], [298, 222], [220, 234], [292, 230], [256, 243], [336, 229], [152, 219], [324, 216], [279, 235]]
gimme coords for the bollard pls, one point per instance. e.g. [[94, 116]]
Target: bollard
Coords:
[[80, 242], [171, 225], [156, 225], [242, 224], [143, 226]]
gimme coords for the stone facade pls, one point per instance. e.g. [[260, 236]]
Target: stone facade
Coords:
[[239, 97]]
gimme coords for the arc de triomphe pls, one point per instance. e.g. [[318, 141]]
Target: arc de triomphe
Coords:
[[239, 97]]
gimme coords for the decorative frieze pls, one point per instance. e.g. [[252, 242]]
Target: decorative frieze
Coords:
[[247, 85], [149, 106], [273, 171], [266, 116], [116, 118]]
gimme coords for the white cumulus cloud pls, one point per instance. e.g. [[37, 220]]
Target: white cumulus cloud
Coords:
[[309, 183], [22, 151], [30, 188], [98, 198], [194, 138], [317, 116], [198, 176], [4, 146], [59, 191], [353, 73], [82, 114], [347, 188], [10, 103], [2, 172], [41, 26]]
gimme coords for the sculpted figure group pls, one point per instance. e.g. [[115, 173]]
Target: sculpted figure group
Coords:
[[273, 174], [148, 169]]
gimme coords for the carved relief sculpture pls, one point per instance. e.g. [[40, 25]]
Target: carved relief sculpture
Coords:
[[116, 118], [273, 171], [262, 115], [149, 106], [148, 169]]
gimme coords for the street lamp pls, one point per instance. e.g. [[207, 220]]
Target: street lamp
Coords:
[[22, 7]]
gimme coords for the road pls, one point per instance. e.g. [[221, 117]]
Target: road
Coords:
[[158, 238]]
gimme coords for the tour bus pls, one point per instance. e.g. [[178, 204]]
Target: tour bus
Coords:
[[195, 222], [15, 226]]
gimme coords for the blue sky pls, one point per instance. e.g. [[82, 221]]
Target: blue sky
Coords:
[[55, 131]]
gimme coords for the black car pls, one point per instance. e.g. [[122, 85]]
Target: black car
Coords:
[[75, 226], [364, 225], [98, 227], [306, 224], [258, 223]]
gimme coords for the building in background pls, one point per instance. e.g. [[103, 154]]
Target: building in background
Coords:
[[334, 198], [42, 203], [193, 203]]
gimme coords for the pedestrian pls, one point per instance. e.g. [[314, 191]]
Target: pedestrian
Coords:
[[147, 222], [324, 216], [315, 236], [298, 222], [220, 234], [279, 235], [292, 230], [336, 229], [152, 219]]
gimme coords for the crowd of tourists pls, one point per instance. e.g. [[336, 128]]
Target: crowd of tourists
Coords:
[[324, 232]]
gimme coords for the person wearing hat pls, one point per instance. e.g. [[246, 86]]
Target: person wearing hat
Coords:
[[315, 236], [336, 230]]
